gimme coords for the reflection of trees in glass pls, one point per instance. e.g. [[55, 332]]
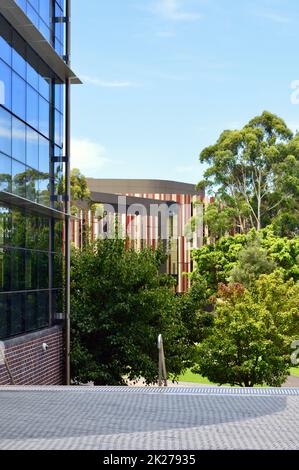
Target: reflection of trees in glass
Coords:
[[5, 182], [19, 184], [58, 236], [59, 185], [32, 177], [5, 225], [44, 189], [33, 185], [37, 232], [18, 233], [24, 230]]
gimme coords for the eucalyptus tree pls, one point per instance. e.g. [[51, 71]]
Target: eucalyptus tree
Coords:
[[248, 170]]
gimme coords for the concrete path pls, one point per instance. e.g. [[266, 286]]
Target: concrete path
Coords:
[[293, 381], [123, 418]]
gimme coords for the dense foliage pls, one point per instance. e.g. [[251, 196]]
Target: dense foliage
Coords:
[[218, 263], [120, 303], [250, 341]]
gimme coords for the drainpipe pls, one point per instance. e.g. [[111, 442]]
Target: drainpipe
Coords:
[[67, 197]]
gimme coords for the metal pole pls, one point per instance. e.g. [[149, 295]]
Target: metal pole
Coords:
[[67, 198], [162, 365]]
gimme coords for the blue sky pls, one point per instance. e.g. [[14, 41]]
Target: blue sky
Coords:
[[163, 78]]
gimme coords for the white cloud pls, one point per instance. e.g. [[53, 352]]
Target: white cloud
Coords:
[[107, 83], [173, 10], [19, 134], [90, 157]]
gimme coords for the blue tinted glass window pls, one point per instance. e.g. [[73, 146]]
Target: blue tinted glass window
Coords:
[[18, 179], [32, 184], [44, 10], [43, 28], [59, 97], [18, 64], [32, 76], [44, 189], [18, 140], [59, 48], [5, 85], [5, 173], [32, 107], [44, 88], [22, 4], [58, 128], [35, 3], [44, 155], [31, 148], [44, 116], [59, 28], [5, 51], [18, 96], [5, 131], [31, 13]]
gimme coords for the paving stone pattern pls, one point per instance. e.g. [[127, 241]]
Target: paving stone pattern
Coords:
[[120, 418]]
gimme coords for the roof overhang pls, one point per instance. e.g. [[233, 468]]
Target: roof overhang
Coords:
[[122, 203], [22, 24]]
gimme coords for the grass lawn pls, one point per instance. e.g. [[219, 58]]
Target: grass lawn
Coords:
[[195, 378], [295, 371]]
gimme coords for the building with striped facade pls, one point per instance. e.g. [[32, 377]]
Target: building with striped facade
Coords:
[[146, 213]]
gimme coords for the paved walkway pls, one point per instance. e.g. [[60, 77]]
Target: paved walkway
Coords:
[[113, 418], [292, 381]]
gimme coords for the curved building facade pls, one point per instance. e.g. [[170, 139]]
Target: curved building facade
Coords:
[[148, 212]]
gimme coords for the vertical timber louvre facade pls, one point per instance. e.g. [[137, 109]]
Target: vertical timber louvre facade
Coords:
[[35, 79]]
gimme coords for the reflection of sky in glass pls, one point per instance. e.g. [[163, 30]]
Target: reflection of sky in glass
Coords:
[[5, 173], [24, 138], [2, 92], [40, 14], [5, 132], [19, 140]]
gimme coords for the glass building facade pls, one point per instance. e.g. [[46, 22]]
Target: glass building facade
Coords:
[[32, 169], [41, 12]]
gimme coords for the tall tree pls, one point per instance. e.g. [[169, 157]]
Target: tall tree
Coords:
[[79, 187], [120, 303], [245, 169], [286, 219], [250, 341]]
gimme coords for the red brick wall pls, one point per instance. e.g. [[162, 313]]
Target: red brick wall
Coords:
[[29, 364]]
